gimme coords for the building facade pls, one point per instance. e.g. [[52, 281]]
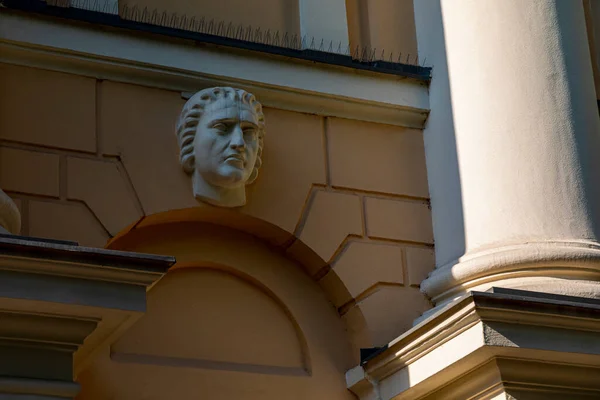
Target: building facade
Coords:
[[299, 199]]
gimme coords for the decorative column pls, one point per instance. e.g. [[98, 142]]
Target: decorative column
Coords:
[[10, 218], [525, 201]]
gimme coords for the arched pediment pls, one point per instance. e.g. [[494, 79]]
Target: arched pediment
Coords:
[[234, 318], [210, 318]]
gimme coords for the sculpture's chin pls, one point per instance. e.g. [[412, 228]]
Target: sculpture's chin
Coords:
[[229, 177], [229, 192], [229, 182]]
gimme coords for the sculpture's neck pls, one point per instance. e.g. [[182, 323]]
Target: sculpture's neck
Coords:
[[218, 196]]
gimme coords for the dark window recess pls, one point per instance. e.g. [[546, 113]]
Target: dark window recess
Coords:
[[370, 353], [101, 12]]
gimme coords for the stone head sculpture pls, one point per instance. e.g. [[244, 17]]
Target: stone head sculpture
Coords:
[[220, 133]]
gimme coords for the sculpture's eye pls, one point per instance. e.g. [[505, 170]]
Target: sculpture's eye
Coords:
[[249, 133], [220, 127]]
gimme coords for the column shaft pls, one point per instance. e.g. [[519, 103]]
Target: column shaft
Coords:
[[527, 134]]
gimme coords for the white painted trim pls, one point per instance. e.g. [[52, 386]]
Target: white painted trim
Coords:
[[150, 60], [513, 329]]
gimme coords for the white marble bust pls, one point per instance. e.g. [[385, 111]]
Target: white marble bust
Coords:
[[220, 133]]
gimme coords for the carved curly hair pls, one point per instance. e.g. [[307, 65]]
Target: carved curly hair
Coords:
[[190, 116]]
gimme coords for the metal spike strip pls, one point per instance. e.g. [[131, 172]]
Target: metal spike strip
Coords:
[[241, 32]]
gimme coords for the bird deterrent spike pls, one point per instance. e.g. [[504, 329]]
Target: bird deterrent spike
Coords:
[[258, 35], [183, 22], [134, 14], [285, 41], [154, 17], [173, 20]]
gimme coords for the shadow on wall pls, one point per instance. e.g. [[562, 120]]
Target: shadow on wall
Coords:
[[443, 171], [587, 145]]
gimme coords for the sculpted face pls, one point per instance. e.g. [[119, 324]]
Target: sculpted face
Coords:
[[226, 143]]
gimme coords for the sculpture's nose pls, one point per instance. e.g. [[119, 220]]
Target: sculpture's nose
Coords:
[[237, 139]]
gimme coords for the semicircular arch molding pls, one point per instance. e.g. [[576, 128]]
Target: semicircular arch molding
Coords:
[[216, 317], [226, 224], [234, 315]]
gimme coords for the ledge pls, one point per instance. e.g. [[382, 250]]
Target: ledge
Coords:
[[526, 340], [82, 298], [18, 388], [156, 61], [60, 250], [106, 13]]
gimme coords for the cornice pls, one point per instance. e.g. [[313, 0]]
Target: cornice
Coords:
[[54, 294], [108, 14], [477, 328], [45, 329], [66, 259], [38, 387], [118, 55]]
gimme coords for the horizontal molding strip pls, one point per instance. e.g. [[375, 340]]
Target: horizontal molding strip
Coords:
[[105, 13], [117, 55], [179, 362]]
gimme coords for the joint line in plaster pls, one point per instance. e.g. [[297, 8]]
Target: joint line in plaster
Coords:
[[129, 183], [305, 210], [325, 133]]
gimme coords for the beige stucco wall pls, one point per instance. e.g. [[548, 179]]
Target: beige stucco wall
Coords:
[[86, 159], [383, 25]]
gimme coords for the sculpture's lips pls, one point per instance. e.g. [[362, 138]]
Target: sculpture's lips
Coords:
[[235, 157]]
